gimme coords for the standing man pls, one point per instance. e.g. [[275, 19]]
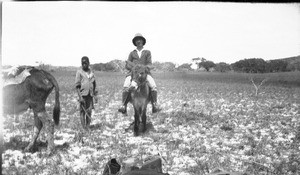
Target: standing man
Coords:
[[139, 56], [85, 84]]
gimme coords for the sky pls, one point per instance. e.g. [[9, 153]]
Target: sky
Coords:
[[60, 33]]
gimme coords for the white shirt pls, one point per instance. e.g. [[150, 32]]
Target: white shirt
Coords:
[[139, 52], [89, 74]]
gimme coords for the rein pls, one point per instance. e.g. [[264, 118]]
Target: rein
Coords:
[[140, 84]]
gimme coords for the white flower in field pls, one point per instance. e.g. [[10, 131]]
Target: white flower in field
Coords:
[[59, 142], [221, 100], [183, 173], [176, 135], [221, 159], [16, 154], [8, 135], [290, 136], [186, 138], [47, 105], [134, 152], [75, 150], [80, 163], [74, 100], [130, 161], [138, 140], [172, 172], [122, 125], [268, 159], [106, 133], [66, 163], [207, 145], [263, 132], [184, 162], [152, 150]]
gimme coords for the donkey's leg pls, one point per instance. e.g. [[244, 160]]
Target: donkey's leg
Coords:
[[144, 119], [49, 129], [136, 122], [36, 131]]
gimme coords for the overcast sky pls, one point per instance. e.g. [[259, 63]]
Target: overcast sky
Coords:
[[60, 33]]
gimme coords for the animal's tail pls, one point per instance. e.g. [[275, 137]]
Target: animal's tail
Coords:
[[56, 110]]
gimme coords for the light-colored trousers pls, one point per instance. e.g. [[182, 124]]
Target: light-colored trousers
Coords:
[[149, 78]]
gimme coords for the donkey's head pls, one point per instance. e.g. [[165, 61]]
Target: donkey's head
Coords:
[[139, 73]]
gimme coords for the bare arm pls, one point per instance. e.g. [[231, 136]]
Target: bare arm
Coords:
[[78, 93], [78, 85]]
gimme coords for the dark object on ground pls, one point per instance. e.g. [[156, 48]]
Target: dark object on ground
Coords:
[[151, 167], [112, 167]]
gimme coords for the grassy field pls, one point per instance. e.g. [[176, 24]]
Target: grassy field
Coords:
[[209, 121]]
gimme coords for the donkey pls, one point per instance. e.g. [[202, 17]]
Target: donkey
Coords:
[[32, 93], [140, 97]]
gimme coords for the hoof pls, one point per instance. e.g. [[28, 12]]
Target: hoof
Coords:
[[136, 134], [156, 110], [122, 110]]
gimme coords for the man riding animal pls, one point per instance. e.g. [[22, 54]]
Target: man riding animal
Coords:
[[138, 56]]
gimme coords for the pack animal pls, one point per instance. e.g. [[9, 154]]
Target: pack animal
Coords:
[[32, 93], [140, 97]]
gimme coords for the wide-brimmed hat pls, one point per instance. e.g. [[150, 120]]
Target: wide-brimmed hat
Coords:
[[136, 36]]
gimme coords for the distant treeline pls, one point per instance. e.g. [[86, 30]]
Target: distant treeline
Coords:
[[258, 65], [250, 65]]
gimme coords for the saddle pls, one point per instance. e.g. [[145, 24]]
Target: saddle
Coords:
[[15, 75], [150, 167]]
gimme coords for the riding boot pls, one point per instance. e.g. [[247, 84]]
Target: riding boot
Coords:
[[125, 95], [155, 106]]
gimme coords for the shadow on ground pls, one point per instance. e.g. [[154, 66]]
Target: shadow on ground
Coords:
[[149, 127], [96, 126], [16, 143]]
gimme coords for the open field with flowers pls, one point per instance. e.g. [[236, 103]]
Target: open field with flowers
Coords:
[[248, 123]]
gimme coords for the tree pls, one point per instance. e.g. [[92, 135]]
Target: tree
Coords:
[[207, 65], [238, 66], [109, 66], [293, 66], [114, 65], [98, 67], [185, 66], [168, 66], [277, 66], [157, 65], [252, 65], [222, 67], [117, 65]]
